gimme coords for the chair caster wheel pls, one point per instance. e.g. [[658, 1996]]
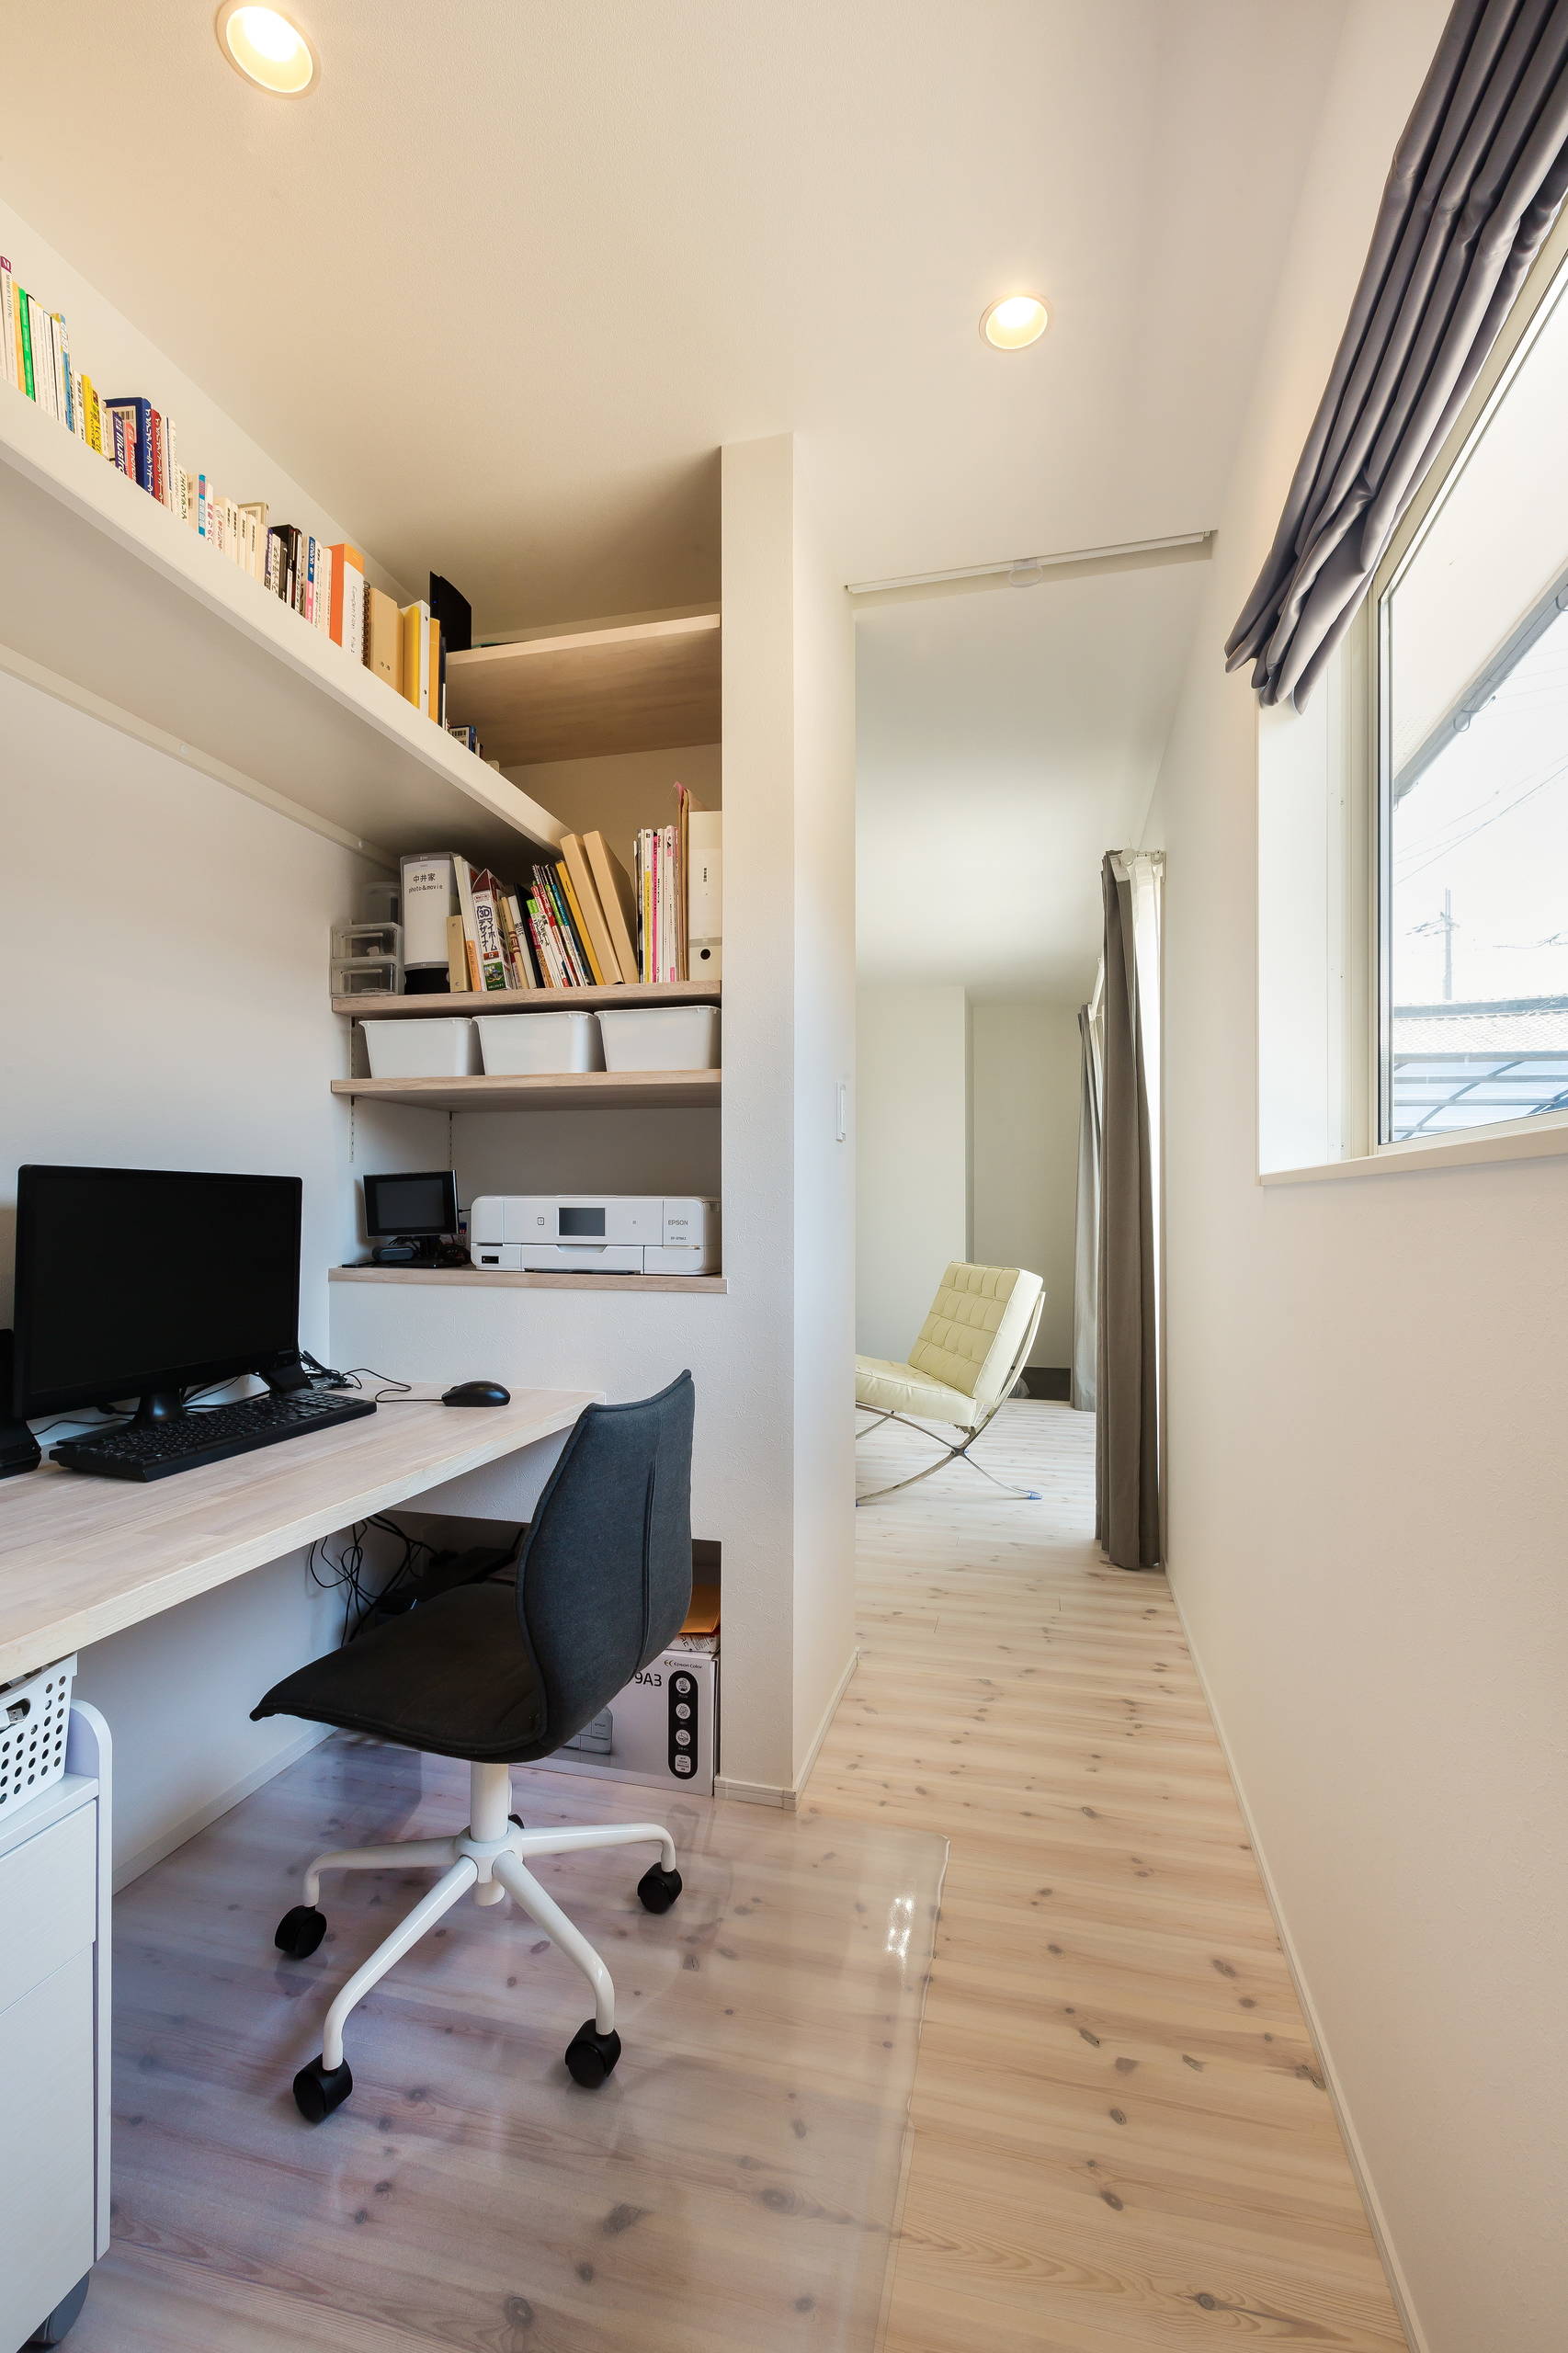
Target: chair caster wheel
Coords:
[[299, 1931], [657, 1889], [318, 2090], [57, 2325], [591, 2056]]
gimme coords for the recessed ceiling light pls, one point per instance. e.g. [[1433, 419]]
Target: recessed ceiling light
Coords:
[[1014, 321], [263, 45]]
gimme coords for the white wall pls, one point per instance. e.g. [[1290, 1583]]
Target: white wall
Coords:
[[164, 948], [912, 1138], [162, 957], [1024, 1119], [1368, 1393]]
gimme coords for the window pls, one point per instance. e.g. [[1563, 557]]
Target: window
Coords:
[[1469, 620]]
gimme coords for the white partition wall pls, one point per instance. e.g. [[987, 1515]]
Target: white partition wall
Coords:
[[773, 1475]]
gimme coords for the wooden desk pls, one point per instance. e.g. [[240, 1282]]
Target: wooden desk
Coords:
[[81, 1557]]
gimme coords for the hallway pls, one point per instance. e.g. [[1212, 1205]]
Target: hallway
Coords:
[[1121, 2139]]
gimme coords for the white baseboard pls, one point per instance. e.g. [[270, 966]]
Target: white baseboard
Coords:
[[774, 1793], [753, 1793], [1399, 2286], [178, 1832], [814, 1750]]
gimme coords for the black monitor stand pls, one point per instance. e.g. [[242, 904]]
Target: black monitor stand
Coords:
[[158, 1405]]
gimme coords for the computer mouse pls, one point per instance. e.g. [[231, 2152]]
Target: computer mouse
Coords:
[[477, 1392]]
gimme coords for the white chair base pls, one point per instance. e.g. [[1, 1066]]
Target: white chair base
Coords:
[[491, 1857]]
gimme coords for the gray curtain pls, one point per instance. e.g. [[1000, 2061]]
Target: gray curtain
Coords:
[[1127, 1492], [1086, 1249], [1476, 183]]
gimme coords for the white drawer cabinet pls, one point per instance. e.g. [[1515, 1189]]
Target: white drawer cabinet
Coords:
[[53, 2039]]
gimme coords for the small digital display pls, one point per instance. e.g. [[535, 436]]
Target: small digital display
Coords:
[[582, 1225], [410, 1206]]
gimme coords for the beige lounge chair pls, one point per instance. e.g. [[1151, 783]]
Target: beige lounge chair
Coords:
[[966, 1362]]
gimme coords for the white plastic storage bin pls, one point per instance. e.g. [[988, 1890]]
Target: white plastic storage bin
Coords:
[[662, 1037], [443, 1049], [35, 1712], [535, 1044]]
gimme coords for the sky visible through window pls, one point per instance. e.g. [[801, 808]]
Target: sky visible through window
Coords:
[[1480, 849]]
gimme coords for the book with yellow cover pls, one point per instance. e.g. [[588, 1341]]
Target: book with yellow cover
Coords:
[[575, 908], [415, 680]]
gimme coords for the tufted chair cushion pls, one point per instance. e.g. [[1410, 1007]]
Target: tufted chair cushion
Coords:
[[898, 1389], [959, 1363], [978, 1318]]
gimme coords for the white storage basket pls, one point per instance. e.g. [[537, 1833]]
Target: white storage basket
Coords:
[[537, 1044], [34, 1715], [439, 1049], [661, 1037]]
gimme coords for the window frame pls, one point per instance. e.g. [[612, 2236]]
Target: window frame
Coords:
[[1368, 875]]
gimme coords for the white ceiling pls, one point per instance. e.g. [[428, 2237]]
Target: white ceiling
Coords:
[[1008, 739], [496, 290]]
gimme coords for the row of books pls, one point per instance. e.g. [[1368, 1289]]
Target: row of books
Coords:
[[578, 921], [323, 583]]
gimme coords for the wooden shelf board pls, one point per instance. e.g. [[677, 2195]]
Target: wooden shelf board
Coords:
[[642, 687], [624, 993], [493, 1279], [589, 1090], [108, 601]]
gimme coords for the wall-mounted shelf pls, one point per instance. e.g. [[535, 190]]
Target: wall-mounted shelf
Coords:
[[588, 1091], [482, 1278], [111, 603], [642, 687], [624, 993]]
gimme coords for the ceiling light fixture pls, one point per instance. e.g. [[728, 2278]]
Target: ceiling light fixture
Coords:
[[1014, 322], [267, 48]]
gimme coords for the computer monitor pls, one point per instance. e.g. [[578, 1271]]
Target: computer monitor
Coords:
[[143, 1282], [411, 1207]]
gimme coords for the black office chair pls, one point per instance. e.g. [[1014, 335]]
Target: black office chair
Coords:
[[499, 1674]]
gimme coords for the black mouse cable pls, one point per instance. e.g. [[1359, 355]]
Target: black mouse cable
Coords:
[[391, 1393]]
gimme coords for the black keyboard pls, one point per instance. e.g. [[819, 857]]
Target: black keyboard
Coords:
[[206, 1434]]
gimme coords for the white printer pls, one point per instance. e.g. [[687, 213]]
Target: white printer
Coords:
[[597, 1233]]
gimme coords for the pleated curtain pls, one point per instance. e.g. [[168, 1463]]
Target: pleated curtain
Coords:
[[1086, 1237], [1127, 1425], [1477, 181]]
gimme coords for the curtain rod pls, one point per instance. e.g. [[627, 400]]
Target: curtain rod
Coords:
[[1024, 570]]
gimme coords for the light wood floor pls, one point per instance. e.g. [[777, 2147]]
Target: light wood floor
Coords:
[[1121, 2139]]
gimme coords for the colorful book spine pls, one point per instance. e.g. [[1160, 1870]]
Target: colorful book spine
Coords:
[[514, 932], [489, 939], [346, 618], [24, 308], [42, 338], [138, 414], [462, 874], [61, 372], [7, 321]]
